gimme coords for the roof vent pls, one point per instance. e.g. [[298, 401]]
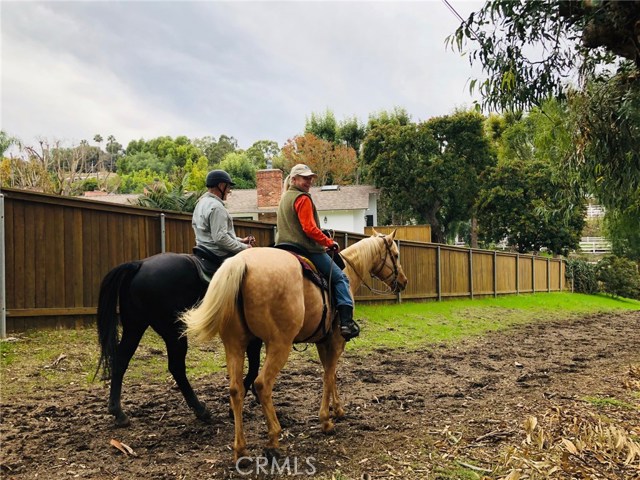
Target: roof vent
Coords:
[[330, 188]]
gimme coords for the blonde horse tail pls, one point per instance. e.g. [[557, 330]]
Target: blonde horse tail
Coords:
[[219, 304]]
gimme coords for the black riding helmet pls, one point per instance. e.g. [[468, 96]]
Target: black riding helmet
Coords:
[[214, 177]]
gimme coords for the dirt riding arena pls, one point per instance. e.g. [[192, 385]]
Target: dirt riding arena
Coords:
[[408, 414]]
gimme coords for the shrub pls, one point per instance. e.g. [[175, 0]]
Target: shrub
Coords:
[[583, 275], [619, 277]]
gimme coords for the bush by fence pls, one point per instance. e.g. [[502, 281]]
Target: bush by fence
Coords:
[[619, 277]]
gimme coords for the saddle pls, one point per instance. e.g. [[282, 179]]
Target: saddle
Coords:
[[206, 263]]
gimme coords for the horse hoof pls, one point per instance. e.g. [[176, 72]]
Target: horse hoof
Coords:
[[339, 412], [272, 454], [242, 460], [122, 421], [204, 416], [328, 428], [202, 413]]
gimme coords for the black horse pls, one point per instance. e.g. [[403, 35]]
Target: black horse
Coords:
[[152, 292]]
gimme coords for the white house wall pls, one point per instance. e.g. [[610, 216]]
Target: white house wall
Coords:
[[345, 220], [373, 209]]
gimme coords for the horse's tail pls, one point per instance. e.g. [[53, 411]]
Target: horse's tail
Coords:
[[219, 304], [110, 292]]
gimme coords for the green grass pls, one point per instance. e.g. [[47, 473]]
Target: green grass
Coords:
[[602, 402], [413, 325], [27, 364]]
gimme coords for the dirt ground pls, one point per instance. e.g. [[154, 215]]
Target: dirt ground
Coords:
[[408, 414]]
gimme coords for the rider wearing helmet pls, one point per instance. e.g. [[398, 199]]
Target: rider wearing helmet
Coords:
[[212, 223]]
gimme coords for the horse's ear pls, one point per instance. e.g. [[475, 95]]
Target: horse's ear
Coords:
[[374, 234], [392, 235]]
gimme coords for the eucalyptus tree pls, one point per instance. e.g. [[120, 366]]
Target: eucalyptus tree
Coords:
[[587, 52], [531, 50], [262, 151]]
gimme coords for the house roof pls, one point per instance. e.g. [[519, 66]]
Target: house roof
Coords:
[[119, 198], [351, 197]]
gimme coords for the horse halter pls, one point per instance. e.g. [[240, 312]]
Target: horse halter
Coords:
[[393, 271], [376, 274]]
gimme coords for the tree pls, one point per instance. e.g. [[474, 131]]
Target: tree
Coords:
[[6, 141], [528, 50], [215, 150], [623, 228], [462, 140], [323, 126], [139, 180], [334, 164], [429, 171], [397, 116], [241, 169], [599, 39], [261, 151], [161, 154], [115, 150], [351, 132], [606, 116], [515, 205], [166, 196], [405, 162], [529, 199]]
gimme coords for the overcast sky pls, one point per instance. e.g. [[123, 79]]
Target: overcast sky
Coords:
[[251, 70]]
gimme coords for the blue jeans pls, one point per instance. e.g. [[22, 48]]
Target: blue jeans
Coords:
[[339, 281]]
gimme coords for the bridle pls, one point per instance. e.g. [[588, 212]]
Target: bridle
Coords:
[[376, 274]]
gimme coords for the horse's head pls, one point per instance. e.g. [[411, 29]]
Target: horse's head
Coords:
[[389, 269]]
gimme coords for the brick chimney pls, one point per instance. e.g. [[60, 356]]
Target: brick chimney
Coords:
[[269, 186]]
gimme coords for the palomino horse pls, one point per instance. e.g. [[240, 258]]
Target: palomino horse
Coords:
[[261, 294], [152, 292]]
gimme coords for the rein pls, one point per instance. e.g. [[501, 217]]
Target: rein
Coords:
[[375, 274]]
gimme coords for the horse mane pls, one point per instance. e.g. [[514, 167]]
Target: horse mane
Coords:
[[363, 252]]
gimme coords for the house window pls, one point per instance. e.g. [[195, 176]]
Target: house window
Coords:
[[369, 220]]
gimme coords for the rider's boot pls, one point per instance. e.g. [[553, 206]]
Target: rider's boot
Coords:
[[348, 328]]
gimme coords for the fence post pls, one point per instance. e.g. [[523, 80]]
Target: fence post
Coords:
[[438, 274], [517, 274], [346, 241], [533, 274], [399, 294], [163, 240], [495, 274], [548, 275], [3, 293], [471, 273]]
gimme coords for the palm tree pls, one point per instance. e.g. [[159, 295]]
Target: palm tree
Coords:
[[157, 196]]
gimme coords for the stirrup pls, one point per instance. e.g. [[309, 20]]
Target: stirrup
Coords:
[[349, 330]]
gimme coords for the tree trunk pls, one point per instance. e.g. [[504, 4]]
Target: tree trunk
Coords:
[[437, 235], [474, 231]]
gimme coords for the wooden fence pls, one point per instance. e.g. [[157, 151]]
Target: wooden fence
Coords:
[[419, 233], [58, 249]]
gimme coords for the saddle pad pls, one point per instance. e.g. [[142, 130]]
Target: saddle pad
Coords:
[[310, 271]]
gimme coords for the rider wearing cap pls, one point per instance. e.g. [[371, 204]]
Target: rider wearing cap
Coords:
[[212, 223], [298, 224]]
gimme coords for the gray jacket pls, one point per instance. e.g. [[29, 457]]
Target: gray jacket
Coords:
[[213, 227]]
